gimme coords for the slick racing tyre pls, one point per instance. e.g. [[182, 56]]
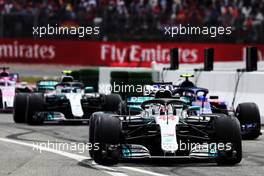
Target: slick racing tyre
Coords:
[[112, 102], [249, 117], [20, 103], [35, 104], [1, 100], [106, 131], [227, 132], [122, 110], [91, 130]]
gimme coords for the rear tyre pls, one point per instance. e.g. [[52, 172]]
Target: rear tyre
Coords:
[[1, 100], [249, 117], [227, 132], [107, 131], [111, 102], [122, 109], [35, 104], [20, 103]]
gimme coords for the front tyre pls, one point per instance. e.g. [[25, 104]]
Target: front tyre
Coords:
[[112, 102], [35, 103], [107, 132], [20, 103], [227, 132], [249, 117]]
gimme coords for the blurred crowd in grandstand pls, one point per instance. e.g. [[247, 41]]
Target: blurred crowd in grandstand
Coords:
[[141, 20]]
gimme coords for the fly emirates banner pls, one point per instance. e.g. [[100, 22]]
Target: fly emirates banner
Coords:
[[93, 53]]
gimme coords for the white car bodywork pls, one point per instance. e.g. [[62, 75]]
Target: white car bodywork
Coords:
[[74, 96], [75, 102], [168, 124], [8, 89]]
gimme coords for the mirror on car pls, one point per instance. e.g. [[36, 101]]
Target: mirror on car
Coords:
[[194, 108], [88, 90]]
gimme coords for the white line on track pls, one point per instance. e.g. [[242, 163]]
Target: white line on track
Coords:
[[80, 158], [143, 171]]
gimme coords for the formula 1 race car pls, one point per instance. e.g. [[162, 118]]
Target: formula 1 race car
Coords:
[[70, 101], [9, 85], [247, 113], [167, 129], [7, 93]]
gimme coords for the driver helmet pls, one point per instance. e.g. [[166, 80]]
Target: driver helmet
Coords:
[[187, 82]]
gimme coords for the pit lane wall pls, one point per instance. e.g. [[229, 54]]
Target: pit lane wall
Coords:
[[223, 83]]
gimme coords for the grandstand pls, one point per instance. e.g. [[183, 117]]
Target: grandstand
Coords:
[[135, 20]]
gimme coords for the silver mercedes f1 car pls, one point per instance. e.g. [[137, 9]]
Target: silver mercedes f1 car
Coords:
[[167, 129], [67, 101]]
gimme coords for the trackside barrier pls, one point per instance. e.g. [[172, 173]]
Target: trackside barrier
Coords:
[[130, 80], [89, 76], [223, 83], [105, 76]]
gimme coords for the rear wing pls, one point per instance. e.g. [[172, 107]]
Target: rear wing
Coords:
[[4, 68]]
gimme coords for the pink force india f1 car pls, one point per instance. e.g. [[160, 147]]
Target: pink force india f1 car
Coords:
[[9, 85]]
